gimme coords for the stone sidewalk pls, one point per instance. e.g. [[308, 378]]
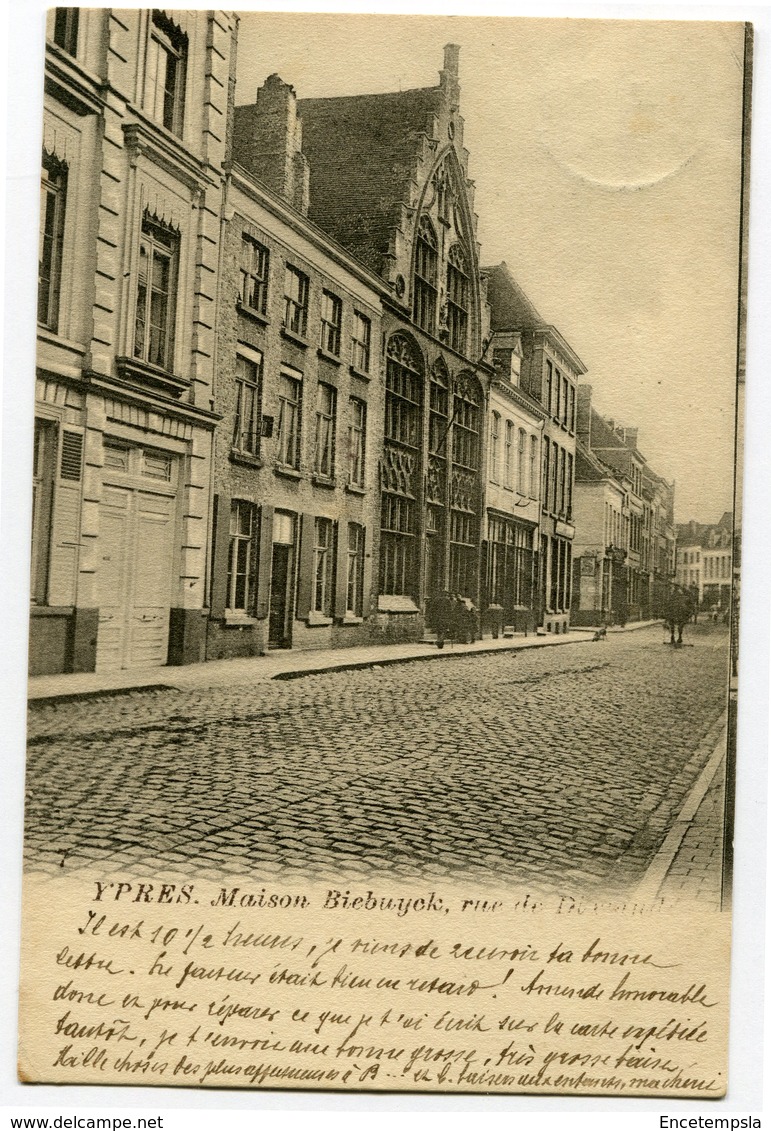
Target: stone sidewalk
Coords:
[[689, 864], [287, 665]]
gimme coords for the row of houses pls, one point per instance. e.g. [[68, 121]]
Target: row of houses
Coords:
[[280, 402], [705, 561]]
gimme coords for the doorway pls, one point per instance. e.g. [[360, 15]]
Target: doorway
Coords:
[[281, 581]]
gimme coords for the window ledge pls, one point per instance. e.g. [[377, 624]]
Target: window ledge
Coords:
[[388, 603], [349, 618], [359, 373], [329, 482], [245, 458], [51, 610], [141, 373], [318, 620], [286, 471], [46, 334], [295, 338], [255, 315], [332, 358], [235, 619], [354, 489]]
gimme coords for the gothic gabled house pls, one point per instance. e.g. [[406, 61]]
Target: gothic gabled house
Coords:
[[389, 180]]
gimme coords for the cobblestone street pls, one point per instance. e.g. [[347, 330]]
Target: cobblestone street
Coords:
[[562, 768]]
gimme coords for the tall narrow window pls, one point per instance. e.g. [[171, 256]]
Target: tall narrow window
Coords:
[[255, 263], [521, 443], [549, 385], [165, 74], [569, 486], [323, 566], [289, 420], [495, 446], [557, 407], [53, 196], [326, 421], [400, 469], [239, 593], [554, 477], [561, 453], [360, 342], [425, 282], [457, 298], [355, 572], [572, 408], [66, 29], [246, 426], [564, 410], [533, 467], [296, 288], [545, 475], [465, 430], [331, 322], [357, 437], [156, 295], [508, 457]]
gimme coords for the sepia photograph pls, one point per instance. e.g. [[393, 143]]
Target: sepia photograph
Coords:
[[386, 535]]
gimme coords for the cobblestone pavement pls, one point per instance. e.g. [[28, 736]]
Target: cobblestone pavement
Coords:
[[559, 767]]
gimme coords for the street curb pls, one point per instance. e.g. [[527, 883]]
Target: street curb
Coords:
[[438, 654], [658, 869], [98, 693]]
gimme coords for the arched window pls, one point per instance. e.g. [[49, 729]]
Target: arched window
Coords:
[[424, 287], [400, 468], [457, 298], [403, 382]]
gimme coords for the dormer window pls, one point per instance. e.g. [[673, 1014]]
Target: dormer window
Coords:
[[425, 282], [457, 298]]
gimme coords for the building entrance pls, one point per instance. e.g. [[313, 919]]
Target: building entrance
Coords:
[[281, 579], [135, 561]]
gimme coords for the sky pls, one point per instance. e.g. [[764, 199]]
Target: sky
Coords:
[[606, 156]]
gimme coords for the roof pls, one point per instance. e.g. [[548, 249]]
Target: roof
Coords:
[[361, 150], [590, 468], [511, 309]]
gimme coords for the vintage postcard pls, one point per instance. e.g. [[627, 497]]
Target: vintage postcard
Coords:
[[384, 590]]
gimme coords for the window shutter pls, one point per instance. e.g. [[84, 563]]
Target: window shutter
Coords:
[[264, 562], [341, 569], [305, 573], [65, 520], [369, 570], [219, 578]]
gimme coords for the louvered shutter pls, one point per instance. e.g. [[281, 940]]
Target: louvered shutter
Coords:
[[305, 578], [341, 569], [65, 520]]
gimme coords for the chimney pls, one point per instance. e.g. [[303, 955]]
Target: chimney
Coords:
[[630, 437], [267, 141], [584, 414]]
